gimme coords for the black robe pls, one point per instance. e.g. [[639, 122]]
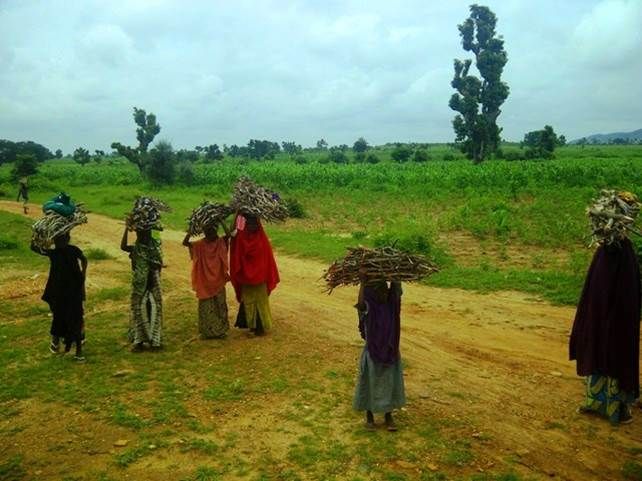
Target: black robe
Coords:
[[605, 338], [64, 292]]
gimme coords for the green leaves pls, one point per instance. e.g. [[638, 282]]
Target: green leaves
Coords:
[[478, 101]]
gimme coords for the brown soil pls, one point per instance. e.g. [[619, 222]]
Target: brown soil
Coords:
[[496, 361]]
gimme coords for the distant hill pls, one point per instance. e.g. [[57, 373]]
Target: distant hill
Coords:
[[636, 135]]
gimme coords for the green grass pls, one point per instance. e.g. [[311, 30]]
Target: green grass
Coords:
[[524, 204], [97, 254], [632, 471], [12, 470]]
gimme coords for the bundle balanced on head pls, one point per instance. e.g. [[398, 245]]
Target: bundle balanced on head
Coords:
[[605, 340], [378, 272], [253, 270], [210, 267], [146, 319], [65, 289]]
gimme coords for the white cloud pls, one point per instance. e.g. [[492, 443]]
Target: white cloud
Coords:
[[610, 35], [217, 71]]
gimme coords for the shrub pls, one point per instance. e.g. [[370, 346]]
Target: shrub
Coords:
[[421, 155], [97, 254], [295, 209], [185, 174], [8, 244], [360, 157], [401, 154], [25, 165], [301, 159], [161, 168], [449, 157], [513, 155], [372, 159], [337, 156]]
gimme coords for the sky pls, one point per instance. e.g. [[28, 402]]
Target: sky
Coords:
[[227, 71]]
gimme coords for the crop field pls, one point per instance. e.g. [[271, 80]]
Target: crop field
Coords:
[[489, 331]]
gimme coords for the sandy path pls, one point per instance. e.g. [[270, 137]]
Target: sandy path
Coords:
[[495, 361]]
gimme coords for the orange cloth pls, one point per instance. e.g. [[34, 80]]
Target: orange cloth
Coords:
[[209, 267]]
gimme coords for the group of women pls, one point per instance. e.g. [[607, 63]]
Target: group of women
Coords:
[[243, 255], [604, 338]]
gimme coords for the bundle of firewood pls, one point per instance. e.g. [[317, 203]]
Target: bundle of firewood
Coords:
[[52, 225], [384, 263], [251, 198], [206, 215], [612, 216], [146, 214]]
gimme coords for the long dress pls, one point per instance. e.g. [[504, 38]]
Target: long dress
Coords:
[[605, 339], [146, 299], [209, 276], [254, 275], [64, 292], [380, 385]]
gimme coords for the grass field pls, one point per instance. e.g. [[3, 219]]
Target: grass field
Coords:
[[280, 408], [501, 225]]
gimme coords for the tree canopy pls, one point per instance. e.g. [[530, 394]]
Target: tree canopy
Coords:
[[147, 129], [478, 101]]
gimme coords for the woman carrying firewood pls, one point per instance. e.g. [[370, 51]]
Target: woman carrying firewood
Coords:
[[146, 260], [209, 276], [380, 386], [605, 339], [253, 273], [379, 272], [65, 289]]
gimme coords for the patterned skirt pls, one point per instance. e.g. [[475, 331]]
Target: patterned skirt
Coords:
[[604, 397], [212, 316], [146, 321], [380, 388]]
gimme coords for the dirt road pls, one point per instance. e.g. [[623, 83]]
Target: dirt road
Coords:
[[497, 361]]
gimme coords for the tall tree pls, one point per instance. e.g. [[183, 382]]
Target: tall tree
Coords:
[[147, 129], [360, 145], [291, 148], [478, 101], [58, 154], [541, 143], [161, 167], [322, 144], [212, 153]]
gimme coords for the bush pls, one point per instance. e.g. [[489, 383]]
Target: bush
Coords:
[[8, 244], [185, 174], [337, 156], [421, 155], [372, 159], [513, 155], [401, 154], [449, 157], [295, 209], [96, 254], [416, 244], [360, 157], [301, 159], [25, 165], [161, 168]]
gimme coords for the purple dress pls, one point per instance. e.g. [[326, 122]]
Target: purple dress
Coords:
[[380, 385]]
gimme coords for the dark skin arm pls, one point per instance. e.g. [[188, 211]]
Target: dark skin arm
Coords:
[[186, 241], [123, 242]]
